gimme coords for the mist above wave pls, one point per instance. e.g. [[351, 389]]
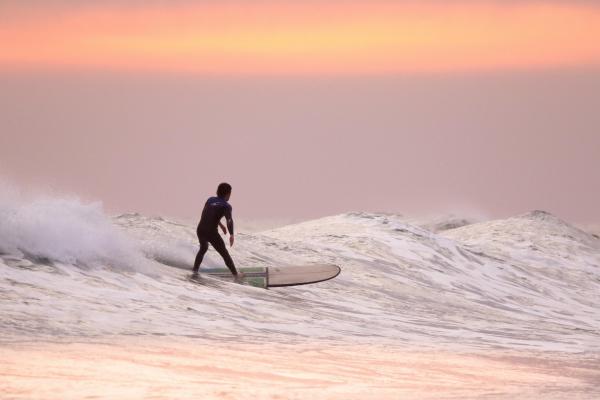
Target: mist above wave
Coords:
[[64, 229]]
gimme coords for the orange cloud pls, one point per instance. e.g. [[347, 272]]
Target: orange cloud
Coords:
[[304, 38]]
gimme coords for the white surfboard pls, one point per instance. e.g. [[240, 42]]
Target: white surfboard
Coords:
[[290, 275]]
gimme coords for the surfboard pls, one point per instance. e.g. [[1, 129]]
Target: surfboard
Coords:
[[267, 277]]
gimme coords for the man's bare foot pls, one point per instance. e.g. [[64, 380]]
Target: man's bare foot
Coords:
[[240, 275]]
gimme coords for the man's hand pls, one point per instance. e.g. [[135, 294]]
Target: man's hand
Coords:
[[223, 228], [231, 241]]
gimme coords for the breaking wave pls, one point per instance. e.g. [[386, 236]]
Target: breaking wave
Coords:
[[531, 281]]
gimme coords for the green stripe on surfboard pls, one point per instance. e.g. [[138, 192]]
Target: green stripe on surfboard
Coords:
[[253, 276], [225, 271]]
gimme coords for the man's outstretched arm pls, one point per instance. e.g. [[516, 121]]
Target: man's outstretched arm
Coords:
[[229, 220]]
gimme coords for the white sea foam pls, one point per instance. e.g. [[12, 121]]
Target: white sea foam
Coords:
[[531, 282], [65, 230]]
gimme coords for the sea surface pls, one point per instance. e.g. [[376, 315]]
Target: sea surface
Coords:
[[442, 307]]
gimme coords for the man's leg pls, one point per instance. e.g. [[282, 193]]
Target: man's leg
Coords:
[[217, 242], [201, 252]]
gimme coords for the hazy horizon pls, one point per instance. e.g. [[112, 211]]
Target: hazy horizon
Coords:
[[307, 110], [500, 144]]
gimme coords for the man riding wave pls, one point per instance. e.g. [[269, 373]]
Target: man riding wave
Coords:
[[214, 210]]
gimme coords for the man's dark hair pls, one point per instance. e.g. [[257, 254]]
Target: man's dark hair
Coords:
[[224, 189]]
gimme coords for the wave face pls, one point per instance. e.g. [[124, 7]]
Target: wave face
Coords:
[[527, 282]]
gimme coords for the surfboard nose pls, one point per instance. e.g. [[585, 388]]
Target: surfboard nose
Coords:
[[301, 274]]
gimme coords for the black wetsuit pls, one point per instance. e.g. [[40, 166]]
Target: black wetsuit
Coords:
[[207, 231]]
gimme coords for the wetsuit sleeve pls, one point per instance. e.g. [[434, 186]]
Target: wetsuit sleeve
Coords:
[[229, 219]]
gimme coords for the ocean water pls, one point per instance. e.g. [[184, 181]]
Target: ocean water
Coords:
[[527, 285]]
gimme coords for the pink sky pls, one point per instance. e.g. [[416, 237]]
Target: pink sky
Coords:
[[308, 38], [485, 106]]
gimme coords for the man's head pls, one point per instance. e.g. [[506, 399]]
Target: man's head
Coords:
[[224, 190]]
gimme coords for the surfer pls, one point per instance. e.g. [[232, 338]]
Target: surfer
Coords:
[[207, 231]]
